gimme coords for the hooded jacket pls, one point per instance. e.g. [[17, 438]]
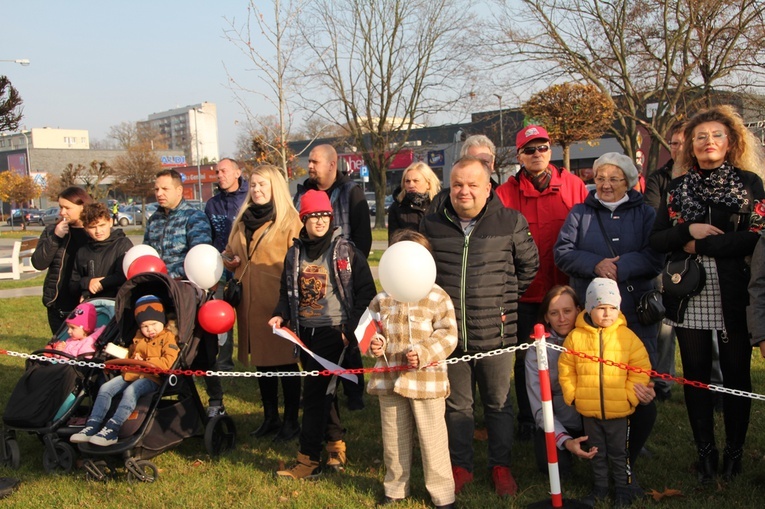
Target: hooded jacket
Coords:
[[484, 272], [597, 390], [349, 207], [162, 350], [221, 210], [101, 259], [173, 232], [546, 212]]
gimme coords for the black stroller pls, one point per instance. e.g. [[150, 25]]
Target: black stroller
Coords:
[[175, 411], [50, 396]]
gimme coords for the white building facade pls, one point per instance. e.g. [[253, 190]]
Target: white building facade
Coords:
[[192, 129]]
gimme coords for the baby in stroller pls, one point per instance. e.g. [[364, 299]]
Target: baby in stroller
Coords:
[[82, 332], [152, 343]]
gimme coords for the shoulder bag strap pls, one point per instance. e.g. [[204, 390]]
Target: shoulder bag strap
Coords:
[[610, 246]]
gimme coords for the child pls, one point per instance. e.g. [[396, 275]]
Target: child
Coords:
[[153, 343], [81, 327], [604, 395], [414, 335], [326, 286], [98, 265]]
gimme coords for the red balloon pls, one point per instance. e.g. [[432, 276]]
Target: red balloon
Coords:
[[216, 316], [146, 263]]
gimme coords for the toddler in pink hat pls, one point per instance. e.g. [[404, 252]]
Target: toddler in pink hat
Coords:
[[81, 327]]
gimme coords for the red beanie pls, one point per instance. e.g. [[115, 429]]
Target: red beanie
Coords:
[[313, 202]]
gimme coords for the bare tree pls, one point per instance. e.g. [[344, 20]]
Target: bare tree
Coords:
[[272, 65], [135, 171], [658, 58], [254, 147], [131, 134], [379, 67], [70, 176], [93, 176], [571, 112], [10, 106]]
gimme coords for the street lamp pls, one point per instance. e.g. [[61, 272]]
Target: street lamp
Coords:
[[21, 61], [501, 125], [196, 138]]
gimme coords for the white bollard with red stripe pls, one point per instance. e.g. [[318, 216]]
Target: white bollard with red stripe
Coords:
[[547, 413]]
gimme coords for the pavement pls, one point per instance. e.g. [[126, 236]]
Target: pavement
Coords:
[[6, 246]]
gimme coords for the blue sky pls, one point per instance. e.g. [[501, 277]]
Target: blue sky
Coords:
[[99, 63]]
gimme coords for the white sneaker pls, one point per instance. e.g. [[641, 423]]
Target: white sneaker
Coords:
[[84, 436], [215, 410]]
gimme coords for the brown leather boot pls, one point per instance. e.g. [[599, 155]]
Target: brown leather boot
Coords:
[[337, 458], [304, 468]]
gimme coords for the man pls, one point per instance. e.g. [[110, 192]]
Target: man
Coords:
[[544, 195], [351, 213], [485, 259], [221, 211], [173, 230]]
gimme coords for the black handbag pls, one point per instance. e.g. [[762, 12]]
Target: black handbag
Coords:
[[232, 292], [684, 278], [650, 308]]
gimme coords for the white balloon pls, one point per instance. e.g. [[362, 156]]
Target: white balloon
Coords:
[[407, 271], [203, 266], [136, 252]]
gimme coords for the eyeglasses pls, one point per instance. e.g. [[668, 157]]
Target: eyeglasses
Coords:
[[675, 143], [717, 136], [603, 180], [530, 150], [320, 215]]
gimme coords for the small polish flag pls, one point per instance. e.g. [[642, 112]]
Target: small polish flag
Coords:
[[369, 324]]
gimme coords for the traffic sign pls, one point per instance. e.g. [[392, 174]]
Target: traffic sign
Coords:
[[364, 171]]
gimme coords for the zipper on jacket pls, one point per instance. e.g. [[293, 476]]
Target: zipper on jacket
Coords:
[[502, 326], [600, 368], [58, 278], [463, 278]]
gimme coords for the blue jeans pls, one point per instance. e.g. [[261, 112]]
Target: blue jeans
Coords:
[[492, 374], [131, 393]]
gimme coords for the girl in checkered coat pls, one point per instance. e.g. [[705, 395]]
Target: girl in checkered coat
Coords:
[[414, 335]]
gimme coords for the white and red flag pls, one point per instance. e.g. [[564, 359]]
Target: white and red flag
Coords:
[[328, 365], [369, 325]]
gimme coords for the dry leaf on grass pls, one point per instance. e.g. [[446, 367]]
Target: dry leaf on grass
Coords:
[[197, 463], [666, 493], [481, 435]]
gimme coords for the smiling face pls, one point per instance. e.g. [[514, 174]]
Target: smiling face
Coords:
[[710, 144], [260, 189], [317, 226], [100, 229], [470, 189], [70, 211], [610, 183], [561, 314]]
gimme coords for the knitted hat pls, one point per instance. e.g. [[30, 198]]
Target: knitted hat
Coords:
[[314, 202], [602, 291], [149, 307], [83, 315], [528, 133]]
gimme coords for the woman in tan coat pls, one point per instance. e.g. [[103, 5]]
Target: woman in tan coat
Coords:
[[260, 237]]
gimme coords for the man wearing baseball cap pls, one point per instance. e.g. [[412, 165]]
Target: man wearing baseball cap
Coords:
[[544, 194]]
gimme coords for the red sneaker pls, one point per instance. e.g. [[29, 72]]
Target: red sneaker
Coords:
[[504, 484], [461, 478]]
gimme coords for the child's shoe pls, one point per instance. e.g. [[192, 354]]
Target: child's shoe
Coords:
[[304, 468], [337, 458], [84, 436], [107, 436]]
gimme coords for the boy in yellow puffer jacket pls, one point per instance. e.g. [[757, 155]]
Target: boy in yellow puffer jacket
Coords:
[[153, 343], [604, 395]]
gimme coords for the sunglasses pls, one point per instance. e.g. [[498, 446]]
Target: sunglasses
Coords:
[[530, 150]]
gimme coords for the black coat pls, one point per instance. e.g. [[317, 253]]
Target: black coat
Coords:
[[501, 262], [405, 215], [57, 255], [730, 250], [101, 259]]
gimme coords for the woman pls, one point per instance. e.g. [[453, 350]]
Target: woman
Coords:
[[558, 311], [418, 187], [712, 212], [57, 250], [261, 234]]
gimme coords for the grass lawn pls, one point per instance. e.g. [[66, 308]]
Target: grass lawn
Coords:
[[244, 477]]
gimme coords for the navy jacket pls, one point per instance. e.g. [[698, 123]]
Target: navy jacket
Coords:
[[221, 210]]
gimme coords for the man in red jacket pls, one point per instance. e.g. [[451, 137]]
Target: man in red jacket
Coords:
[[544, 194]]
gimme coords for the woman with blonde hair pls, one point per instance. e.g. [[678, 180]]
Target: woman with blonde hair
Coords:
[[418, 187], [712, 217], [261, 234]]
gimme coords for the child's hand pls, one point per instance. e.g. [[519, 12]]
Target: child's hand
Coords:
[[413, 359], [138, 357], [276, 321], [377, 346]]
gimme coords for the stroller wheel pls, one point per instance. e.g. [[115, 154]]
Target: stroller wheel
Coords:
[[12, 454], [141, 470], [63, 460], [220, 435]]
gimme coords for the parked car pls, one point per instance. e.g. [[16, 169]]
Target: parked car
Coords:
[[373, 205], [129, 214], [149, 209], [49, 216], [30, 216]]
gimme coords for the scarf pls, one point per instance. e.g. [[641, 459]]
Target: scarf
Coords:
[[690, 201], [314, 248], [417, 201], [254, 217], [541, 180]]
